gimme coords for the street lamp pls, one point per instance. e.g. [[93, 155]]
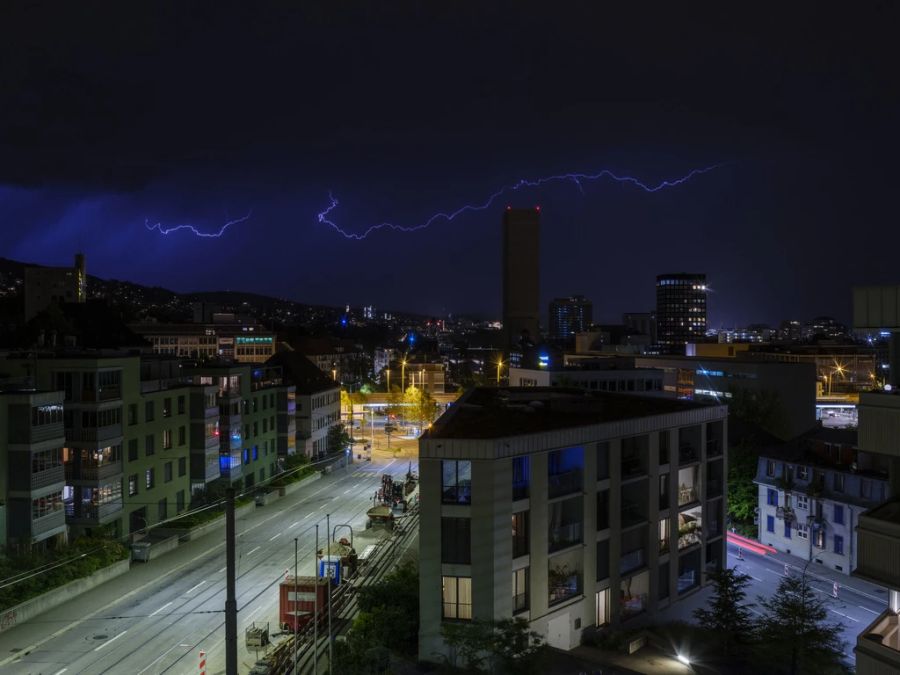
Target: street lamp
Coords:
[[837, 371], [403, 375], [388, 371], [499, 366]]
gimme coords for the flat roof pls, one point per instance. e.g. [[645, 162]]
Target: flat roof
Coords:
[[490, 412], [888, 512]]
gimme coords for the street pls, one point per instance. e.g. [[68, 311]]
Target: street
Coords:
[[853, 609], [159, 616]]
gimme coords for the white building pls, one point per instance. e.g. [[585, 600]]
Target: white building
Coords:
[[567, 509]]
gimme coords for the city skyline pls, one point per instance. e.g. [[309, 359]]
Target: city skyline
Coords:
[[146, 128]]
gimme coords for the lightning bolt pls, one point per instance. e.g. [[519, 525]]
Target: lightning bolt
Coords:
[[193, 230], [576, 178]]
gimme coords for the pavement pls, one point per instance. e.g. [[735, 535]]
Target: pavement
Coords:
[[161, 614]]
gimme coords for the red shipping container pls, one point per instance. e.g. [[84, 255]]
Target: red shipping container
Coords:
[[297, 601]]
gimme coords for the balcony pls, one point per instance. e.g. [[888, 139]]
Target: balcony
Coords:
[[39, 434], [878, 541], [110, 393], [564, 483], [48, 524], [632, 560], [93, 514], [564, 536], [95, 434], [92, 472], [785, 513], [687, 494], [687, 454], [878, 645], [56, 474]]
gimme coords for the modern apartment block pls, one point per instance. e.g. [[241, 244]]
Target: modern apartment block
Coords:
[[568, 509], [225, 338], [604, 374], [568, 316], [812, 492], [32, 478]]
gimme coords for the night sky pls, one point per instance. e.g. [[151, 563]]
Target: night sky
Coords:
[[111, 116]]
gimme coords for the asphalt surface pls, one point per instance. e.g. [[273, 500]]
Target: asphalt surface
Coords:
[[854, 608], [160, 615]]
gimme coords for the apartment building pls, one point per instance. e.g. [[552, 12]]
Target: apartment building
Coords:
[[226, 337], [568, 509], [812, 492], [594, 374], [32, 478]]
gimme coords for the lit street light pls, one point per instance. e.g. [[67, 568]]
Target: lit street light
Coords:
[[499, 366]]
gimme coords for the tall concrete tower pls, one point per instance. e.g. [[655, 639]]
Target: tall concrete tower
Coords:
[[521, 276]]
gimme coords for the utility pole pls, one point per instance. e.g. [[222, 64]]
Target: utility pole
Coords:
[[316, 609], [231, 667], [296, 557], [332, 573]]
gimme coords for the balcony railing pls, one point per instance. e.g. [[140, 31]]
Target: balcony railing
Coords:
[[92, 434], [688, 454], [687, 494], [110, 393], [564, 483], [632, 560], [688, 538], [93, 513], [40, 479], [92, 472], [51, 521], [564, 536], [563, 587]]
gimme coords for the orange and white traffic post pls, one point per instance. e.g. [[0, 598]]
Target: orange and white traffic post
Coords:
[[202, 663]]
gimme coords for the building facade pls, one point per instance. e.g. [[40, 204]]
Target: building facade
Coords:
[[46, 285], [567, 510], [680, 310], [569, 316], [812, 492], [643, 381], [521, 276], [225, 339]]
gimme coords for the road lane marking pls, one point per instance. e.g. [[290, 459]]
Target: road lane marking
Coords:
[[870, 610], [307, 516], [195, 587], [294, 524], [275, 537], [161, 609], [222, 570], [161, 657], [110, 641], [247, 618], [346, 491], [60, 672], [843, 615], [253, 550], [323, 506], [753, 577]]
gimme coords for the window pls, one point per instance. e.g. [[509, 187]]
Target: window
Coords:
[[770, 468], [46, 505], [820, 537], [520, 590], [770, 523], [520, 534], [149, 445], [167, 407], [182, 466], [167, 439], [663, 491], [603, 460], [602, 605], [865, 488], [162, 509], [772, 497], [255, 452], [603, 510], [167, 472], [148, 411], [564, 471], [132, 450], [802, 472], [457, 598], [456, 541], [664, 535], [149, 479], [838, 482], [802, 531], [520, 476], [181, 405], [664, 580], [179, 501], [45, 460], [802, 502], [838, 514], [132, 485], [564, 523], [787, 529], [838, 544], [456, 482], [663, 447], [182, 435], [602, 559], [246, 455]]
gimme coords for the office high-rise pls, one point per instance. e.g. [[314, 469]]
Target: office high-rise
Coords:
[[680, 310], [569, 316], [521, 276]]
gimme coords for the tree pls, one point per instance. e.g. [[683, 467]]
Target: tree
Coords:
[[506, 646], [420, 406], [726, 615], [742, 491], [762, 408], [338, 438], [794, 630]]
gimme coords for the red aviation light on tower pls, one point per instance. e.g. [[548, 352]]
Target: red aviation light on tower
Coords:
[[538, 208]]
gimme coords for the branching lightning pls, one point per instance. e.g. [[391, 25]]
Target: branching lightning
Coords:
[[576, 178], [193, 230]]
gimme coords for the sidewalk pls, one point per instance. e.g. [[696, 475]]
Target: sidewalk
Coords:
[[846, 582]]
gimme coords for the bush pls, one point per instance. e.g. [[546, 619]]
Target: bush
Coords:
[[79, 559]]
